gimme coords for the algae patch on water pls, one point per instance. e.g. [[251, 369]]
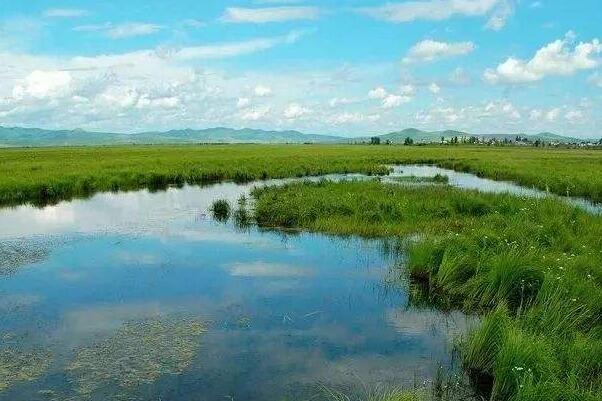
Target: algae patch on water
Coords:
[[18, 366], [139, 353]]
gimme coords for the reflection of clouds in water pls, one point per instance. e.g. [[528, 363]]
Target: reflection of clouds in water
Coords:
[[12, 302], [225, 235], [267, 269], [428, 322], [137, 258], [116, 212]]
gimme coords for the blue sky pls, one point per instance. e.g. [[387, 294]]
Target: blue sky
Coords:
[[350, 68]]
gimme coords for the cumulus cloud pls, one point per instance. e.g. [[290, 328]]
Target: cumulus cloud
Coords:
[[432, 50], [558, 58], [434, 88], [294, 111], [269, 14], [434, 10], [377, 93], [43, 85], [256, 113], [262, 91], [391, 100]]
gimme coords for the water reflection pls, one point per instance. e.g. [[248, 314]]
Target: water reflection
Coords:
[[282, 312]]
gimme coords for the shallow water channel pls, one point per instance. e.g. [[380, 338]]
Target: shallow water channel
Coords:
[[142, 296]]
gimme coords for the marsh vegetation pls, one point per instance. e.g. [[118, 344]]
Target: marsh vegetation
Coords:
[[532, 267], [529, 267], [43, 176]]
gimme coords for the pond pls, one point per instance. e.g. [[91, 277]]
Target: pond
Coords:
[[142, 296]]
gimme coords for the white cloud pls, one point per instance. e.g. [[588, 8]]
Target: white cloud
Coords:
[[500, 16], [431, 50], [233, 49], [65, 13], [553, 114], [131, 29], [255, 114], [434, 10], [574, 116], [535, 114], [43, 85], [346, 118], [270, 14], [555, 59], [262, 91], [294, 111], [434, 88], [390, 100], [337, 101], [377, 93], [243, 102]]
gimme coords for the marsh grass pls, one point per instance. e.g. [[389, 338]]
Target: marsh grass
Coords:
[[532, 267], [48, 175], [221, 210]]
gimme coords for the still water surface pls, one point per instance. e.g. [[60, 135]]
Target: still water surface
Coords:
[[282, 312], [99, 299]]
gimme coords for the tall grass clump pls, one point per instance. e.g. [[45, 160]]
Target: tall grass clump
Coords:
[[221, 210], [531, 267]]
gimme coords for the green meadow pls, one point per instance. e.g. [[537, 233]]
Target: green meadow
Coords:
[[531, 267], [46, 175]]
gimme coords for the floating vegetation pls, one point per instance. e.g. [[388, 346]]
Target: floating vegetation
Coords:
[[19, 366], [221, 210], [17, 253], [436, 179], [139, 353]]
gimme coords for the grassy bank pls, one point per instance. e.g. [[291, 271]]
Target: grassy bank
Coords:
[[533, 267], [50, 174]]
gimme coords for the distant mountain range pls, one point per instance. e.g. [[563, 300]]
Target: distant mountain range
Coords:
[[23, 137]]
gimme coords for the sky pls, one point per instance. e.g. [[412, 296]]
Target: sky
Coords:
[[349, 68]]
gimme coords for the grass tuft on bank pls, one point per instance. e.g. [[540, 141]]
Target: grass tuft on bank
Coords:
[[532, 267]]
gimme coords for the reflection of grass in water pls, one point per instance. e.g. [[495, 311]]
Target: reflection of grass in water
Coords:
[[138, 353], [17, 366], [444, 387]]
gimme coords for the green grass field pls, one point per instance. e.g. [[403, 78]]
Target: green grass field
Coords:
[[47, 175], [533, 267]]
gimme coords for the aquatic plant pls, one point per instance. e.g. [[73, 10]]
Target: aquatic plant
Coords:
[[19, 365], [139, 353], [221, 210]]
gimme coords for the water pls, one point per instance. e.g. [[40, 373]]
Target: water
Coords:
[[283, 312], [472, 182], [87, 283]]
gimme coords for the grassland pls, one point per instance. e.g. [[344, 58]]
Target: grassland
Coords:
[[532, 267], [46, 175]]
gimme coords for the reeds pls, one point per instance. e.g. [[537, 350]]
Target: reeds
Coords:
[[531, 267]]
